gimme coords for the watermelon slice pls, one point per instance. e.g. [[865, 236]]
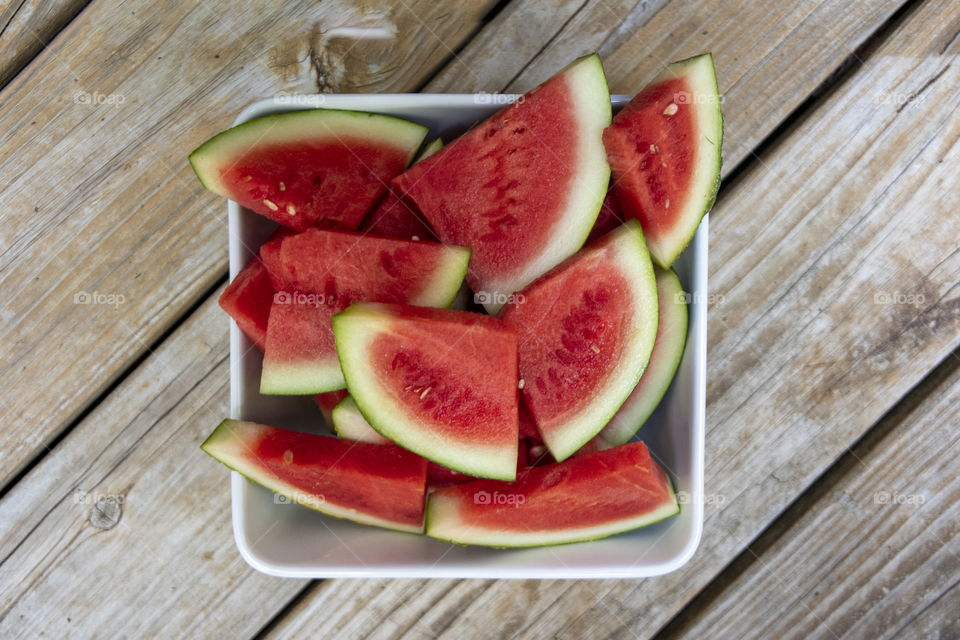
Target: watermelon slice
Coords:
[[585, 332], [438, 382], [664, 360], [366, 483], [584, 498], [323, 272], [247, 299], [398, 217], [664, 152], [307, 168], [523, 188]]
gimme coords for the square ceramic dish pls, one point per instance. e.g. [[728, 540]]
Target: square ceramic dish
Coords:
[[285, 539]]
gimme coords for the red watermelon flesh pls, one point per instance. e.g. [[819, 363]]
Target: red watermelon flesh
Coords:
[[398, 216], [611, 217], [270, 256], [382, 485], [323, 272], [664, 153], [585, 332], [438, 382], [309, 168], [523, 188], [583, 498], [247, 299]]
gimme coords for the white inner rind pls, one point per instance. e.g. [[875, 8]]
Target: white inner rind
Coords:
[[633, 261], [228, 444], [708, 121], [447, 279], [444, 522], [355, 331], [591, 98], [664, 360], [301, 378], [349, 423], [316, 125]]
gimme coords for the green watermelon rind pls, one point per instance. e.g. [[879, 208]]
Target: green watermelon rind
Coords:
[[635, 412], [429, 149], [592, 103], [349, 423], [353, 330], [510, 539], [703, 78], [308, 378], [634, 259], [297, 127], [227, 446]]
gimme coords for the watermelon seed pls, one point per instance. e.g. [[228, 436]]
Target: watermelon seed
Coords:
[[425, 392], [670, 110], [520, 384], [291, 210], [283, 187], [415, 238], [288, 457], [653, 148], [667, 204], [271, 205], [248, 178], [595, 348]]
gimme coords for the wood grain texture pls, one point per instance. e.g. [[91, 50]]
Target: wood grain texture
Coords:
[[871, 553], [106, 236], [125, 527], [834, 270], [27, 26], [769, 56]]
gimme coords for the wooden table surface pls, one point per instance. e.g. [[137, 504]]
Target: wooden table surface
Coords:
[[833, 398]]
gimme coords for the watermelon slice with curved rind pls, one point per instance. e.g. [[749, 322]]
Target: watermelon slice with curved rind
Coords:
[[523, 188], [438, 382], [308, 168], [664, 361], [664, 153], [583, 498], [585, 332], [381, 485], [322, 273]]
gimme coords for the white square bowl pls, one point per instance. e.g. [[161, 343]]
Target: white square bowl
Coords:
[[284, 539]]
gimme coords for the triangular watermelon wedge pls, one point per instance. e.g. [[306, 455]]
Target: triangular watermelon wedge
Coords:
[[438, 382], [583, 498], [307, 168], [381, 485], [664, 151], [323, 272], [523, 188], [585, 332]]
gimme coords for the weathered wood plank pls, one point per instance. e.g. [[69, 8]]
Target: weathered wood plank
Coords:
[[818, 252], [107, 237], [769, 56], [168, 567], [875, 547], [27, 26]]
